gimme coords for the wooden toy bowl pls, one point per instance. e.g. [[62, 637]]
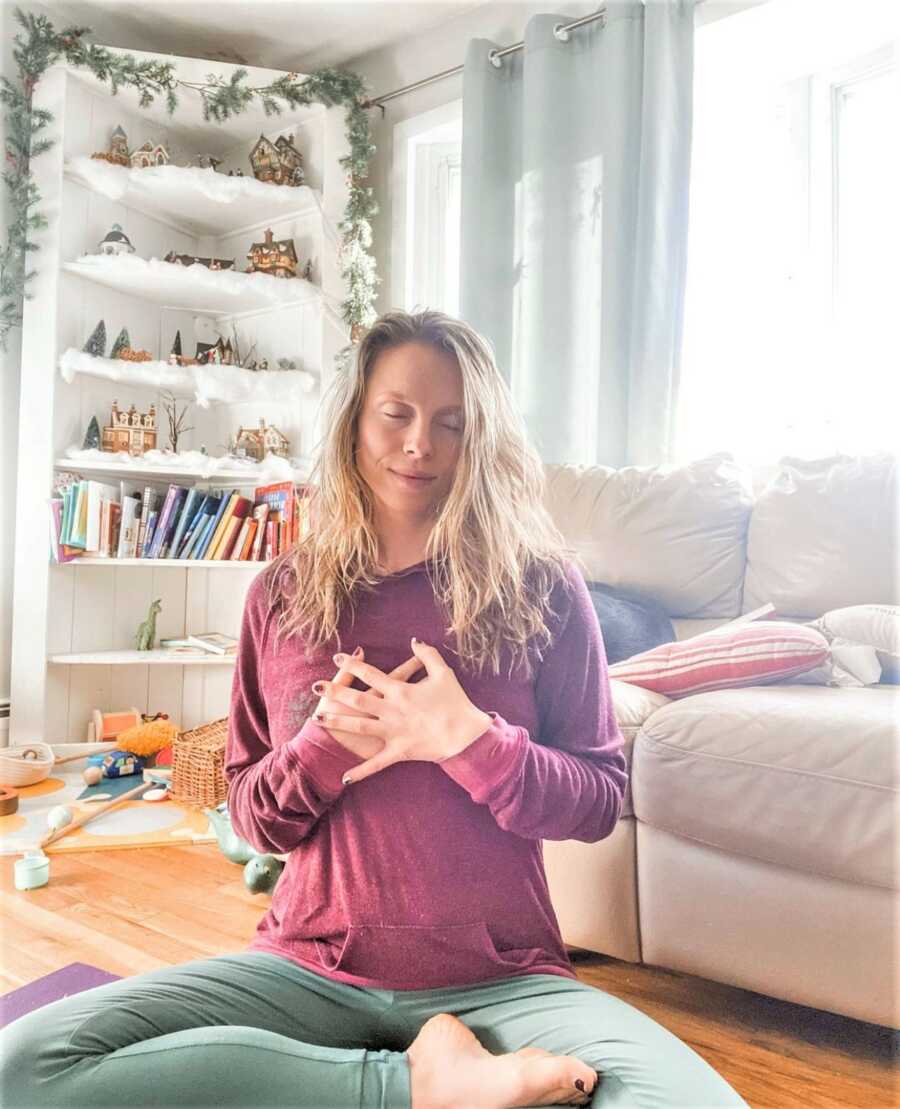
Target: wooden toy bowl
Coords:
[[26, 765]]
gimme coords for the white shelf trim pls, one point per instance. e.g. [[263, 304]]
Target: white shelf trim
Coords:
[[156, 657]]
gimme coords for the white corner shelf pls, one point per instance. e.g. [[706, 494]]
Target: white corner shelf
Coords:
[[196, 201], [155, 657], [206, 385], [176, 563], [118, 465], [193, 288]]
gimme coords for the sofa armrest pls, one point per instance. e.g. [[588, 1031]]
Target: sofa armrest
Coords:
[[633, 704]]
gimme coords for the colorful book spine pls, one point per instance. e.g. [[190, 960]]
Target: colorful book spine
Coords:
[[209, 541], [193, 498], [162, 522]]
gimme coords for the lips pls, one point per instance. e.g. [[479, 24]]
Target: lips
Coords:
[[416, 477]]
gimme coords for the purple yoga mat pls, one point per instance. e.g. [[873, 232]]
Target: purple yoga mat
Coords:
[[74, 978]]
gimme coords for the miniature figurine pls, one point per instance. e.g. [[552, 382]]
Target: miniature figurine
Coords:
[[145, 636], [115, 242]]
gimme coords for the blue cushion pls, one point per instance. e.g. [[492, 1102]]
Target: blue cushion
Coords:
[[631, 622]]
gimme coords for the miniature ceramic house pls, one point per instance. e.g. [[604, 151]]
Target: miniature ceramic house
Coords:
[[116, 242], [274, 256], [190, 259], [279, 162], [131, 431], [291, 161], [257, 442], [118, 147], [216, 354], [149, 155]]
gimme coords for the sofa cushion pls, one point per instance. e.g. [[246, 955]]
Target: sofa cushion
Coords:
[[630, 622], [803, 776], [876, 626], [734, 655], [822, 536], [676, 533]]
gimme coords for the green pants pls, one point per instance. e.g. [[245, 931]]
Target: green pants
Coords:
[[256, 1030]]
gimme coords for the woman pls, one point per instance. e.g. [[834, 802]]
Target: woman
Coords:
[[420, 697]]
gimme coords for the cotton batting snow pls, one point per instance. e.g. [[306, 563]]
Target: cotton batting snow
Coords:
[[208, 385]]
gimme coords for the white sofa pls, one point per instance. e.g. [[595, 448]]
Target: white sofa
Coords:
[[757, 844]]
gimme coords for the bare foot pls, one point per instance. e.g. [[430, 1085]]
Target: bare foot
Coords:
[[449, 1069]]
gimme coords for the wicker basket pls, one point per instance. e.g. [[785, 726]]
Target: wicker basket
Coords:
[[198, 758], [26, 765]]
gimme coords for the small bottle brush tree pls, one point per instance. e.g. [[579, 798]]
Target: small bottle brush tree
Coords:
[[96, 345], [176, 419], [123, 342]]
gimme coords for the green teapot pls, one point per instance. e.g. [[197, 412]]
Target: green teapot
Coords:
[[234, 848], [262, 872]]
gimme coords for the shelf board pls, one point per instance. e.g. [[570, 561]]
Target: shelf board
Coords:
[[236, 477], [138, 658], [196, 201], [207, 385], [177, 563], [192, 288]]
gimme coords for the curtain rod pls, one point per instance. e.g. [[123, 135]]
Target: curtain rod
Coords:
[[561, 30]]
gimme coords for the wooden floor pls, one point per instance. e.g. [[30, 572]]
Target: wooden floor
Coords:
[[130, 911]]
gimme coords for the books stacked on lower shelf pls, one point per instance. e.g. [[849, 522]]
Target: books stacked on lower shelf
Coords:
[[206, 643], [180, 523]]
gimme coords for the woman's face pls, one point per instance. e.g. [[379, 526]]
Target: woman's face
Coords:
[[410, 427]]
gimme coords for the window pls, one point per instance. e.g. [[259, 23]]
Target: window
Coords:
[[790, 336], [426, 189]]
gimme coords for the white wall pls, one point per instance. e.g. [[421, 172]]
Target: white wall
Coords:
[[443, 48]]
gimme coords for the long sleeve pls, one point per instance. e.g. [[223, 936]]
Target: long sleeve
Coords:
[[275, 795], [569, 781]]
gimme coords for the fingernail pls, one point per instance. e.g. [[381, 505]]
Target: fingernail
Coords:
[[319, 716], [339, 659], [346, 779], [318, 687], [414, 640], [357, 652], [579, 1084]]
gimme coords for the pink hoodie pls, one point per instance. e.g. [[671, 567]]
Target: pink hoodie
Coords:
[[425, 874]]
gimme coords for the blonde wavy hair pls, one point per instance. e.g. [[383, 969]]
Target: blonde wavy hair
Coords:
[[494, 553]]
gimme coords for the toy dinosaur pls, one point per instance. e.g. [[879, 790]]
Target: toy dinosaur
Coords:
[[145, 636]]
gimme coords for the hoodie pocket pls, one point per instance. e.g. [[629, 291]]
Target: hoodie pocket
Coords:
[[416, 956]]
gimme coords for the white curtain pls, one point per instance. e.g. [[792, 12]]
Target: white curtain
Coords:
[[575, 173]]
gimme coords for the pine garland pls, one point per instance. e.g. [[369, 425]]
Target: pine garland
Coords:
[[39, 46]]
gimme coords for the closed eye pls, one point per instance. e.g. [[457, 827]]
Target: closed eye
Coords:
[[399, 416]]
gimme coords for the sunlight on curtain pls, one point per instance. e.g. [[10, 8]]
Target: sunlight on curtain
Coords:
[[790, 342]]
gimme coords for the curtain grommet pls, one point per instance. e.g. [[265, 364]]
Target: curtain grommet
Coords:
[[560, 33], [496, 62]]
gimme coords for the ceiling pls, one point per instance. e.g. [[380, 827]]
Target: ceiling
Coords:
[[296, 35]]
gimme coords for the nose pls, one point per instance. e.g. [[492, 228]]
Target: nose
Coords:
[[418, 442]]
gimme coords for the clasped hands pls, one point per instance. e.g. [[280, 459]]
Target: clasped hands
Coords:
[[395, 720]]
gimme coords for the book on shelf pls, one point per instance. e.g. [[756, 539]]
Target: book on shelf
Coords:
[[175, 522], [234, 516], [210, 532], [214, 642], [182, 647]]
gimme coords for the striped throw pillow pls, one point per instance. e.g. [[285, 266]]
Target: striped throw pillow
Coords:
[[750, 654]]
